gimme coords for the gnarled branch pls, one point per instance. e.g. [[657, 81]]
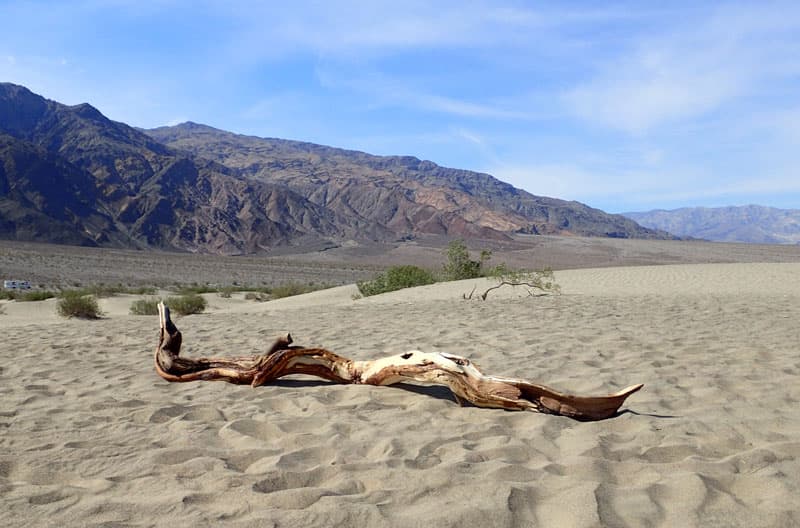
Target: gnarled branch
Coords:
[[458, 373]]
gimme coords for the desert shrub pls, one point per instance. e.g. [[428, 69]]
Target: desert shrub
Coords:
[[144, 307], [36, 295], [292, 288], [190, 303], [226, 292], [104, 290], [256, 296], [141, 290], [27, 295], [8, 295], [110, 290], [460, 265], [396, 278], [196, 289], [73, 303], [541, 280]]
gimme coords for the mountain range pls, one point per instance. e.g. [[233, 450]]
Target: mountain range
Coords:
[[749, 223], [70, 175]]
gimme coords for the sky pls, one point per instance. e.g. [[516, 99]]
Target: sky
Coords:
[[624, 106]]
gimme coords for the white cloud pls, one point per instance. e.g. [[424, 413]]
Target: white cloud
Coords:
[[689, 72], [383, 90], [651, 96], [176, 121], [639, 189], [562, 180], [470, 136], [363, 28]]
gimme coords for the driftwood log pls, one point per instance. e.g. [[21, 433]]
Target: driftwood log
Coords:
[[458, 373]]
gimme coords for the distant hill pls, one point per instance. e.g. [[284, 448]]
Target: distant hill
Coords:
[[70, 175], [750, 223]]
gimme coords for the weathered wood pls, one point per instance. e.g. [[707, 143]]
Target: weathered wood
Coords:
[[458, 373]]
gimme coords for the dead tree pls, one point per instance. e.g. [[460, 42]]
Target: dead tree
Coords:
[[463, 378]]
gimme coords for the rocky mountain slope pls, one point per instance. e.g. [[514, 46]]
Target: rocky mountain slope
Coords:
[[750, 223], [404, 194], [70, 175], [115, 186]]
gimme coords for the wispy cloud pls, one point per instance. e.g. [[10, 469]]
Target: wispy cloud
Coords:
[[642, 189], [366, 28], [176, 121], [382, 90], [690, 70]]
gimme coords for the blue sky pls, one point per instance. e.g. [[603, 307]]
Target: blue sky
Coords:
[[625, 106]]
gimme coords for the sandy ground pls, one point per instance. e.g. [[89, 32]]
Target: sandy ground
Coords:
[[90, 436]]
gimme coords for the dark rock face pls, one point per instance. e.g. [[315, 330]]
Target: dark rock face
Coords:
[[404, 194], [70, 175]]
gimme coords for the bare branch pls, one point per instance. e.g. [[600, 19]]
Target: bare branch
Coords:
[[458, 373]]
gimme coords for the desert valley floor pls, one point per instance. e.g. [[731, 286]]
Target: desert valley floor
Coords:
[[91, 436]]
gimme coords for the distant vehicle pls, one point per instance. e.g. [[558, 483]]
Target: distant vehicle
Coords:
[[16, 285]]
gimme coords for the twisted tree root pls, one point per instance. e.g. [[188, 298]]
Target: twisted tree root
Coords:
[[458, 373]]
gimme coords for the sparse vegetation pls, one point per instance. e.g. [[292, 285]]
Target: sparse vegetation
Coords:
[[396, 278], [226, 292], [542, 280], [195, 289], [27, 296], [98, 291], [292, 288], [257, 296], [460, 265], [74, 303], [144, 307], [35, 295], [187, 304]]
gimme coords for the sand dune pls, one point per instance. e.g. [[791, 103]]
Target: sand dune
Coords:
[[90, 436]]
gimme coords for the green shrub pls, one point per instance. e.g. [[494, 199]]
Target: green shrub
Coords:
[[190, 303], [196, 289], [35, 295], [110, 290], [8, 295], [141, 290], [226, 292], [396, 278], [144, 307], [460, 266], [104, 290], [542, 280], [26, 295], [75, 304], [292, 288]]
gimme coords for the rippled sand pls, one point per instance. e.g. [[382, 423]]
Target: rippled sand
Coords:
[[89, 435]]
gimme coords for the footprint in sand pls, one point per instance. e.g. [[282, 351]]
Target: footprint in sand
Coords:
[[165, 414], [51, 497], [176, 456]]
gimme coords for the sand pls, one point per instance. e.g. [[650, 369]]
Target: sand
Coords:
[[90, 436]]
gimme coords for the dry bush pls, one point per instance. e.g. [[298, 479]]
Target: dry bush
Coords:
[[75, 304]]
